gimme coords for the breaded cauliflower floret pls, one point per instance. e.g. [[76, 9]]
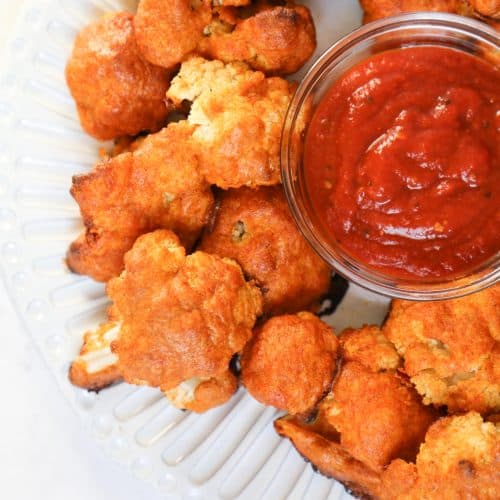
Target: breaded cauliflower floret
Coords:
[[238, 115], [370, 347], [156, 186], [486, 10], [96, 366], [255, 228], [451, 349], [376, 410], [117, 92], [379, 415], [459, 459], [372, 416], [290, 362], [275, 39], [183, 317], [168, 30], [199, 394], [319, 445], [378, 9], [231, 3]]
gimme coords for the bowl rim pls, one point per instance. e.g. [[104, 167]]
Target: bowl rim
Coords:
[[356, 271]]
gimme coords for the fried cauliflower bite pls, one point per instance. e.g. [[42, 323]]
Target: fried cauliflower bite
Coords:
[[116, 91], [167, 31], [317, 443], [156, 186], [369, 383], [459, 459], [238, 115], [379, 415], [372, 416], [370, 347], [96, 366], [276, 39], [255, 228], [290, 362], [231, 3], [379, 9], [451, 349], [488, 8], [201, 394], [184, 317]]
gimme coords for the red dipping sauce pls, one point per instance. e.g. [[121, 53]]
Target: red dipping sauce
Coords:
[[401, 160]]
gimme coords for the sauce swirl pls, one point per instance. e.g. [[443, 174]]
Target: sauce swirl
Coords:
[[401, 160]]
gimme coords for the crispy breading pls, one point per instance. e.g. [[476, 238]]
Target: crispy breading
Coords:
[[238, 115], [96, 366], [369, 384], [459, 459], [485, 10], [124, 144], [276, 39], [201, 394], [380, 416], [231, 3], [116, 91], [488, 8], [183, 316], [255, 228], [370, 347], [379, 9], [156, 186], [372, 416], [290, 362], [451, 349], [167, 31], [329, 457]]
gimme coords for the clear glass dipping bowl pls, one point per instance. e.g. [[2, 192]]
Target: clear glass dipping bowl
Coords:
[[430, 29]]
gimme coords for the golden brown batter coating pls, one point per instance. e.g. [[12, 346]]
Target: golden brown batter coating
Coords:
[[290, 362], [370, 347], [255, 228], [202, 394], [486, 10], [183, 317], [459, 459], [116, 91], [378, 9], [96, 366], [276, 39], [167, 31], [156, 186], [329, 457], [379, 415], [238, 115], [451, 349], [372, 416], [231, 3]]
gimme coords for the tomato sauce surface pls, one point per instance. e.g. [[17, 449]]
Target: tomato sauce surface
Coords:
[[401, 162]]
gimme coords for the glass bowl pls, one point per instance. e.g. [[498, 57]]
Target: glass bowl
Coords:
[[429, 29]]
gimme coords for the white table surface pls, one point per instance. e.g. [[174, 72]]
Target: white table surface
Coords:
[[44, 453]]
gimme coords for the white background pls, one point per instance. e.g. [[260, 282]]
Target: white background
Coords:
[[44, 452]]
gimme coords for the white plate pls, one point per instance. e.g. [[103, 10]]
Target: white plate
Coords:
[[231, 451]]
